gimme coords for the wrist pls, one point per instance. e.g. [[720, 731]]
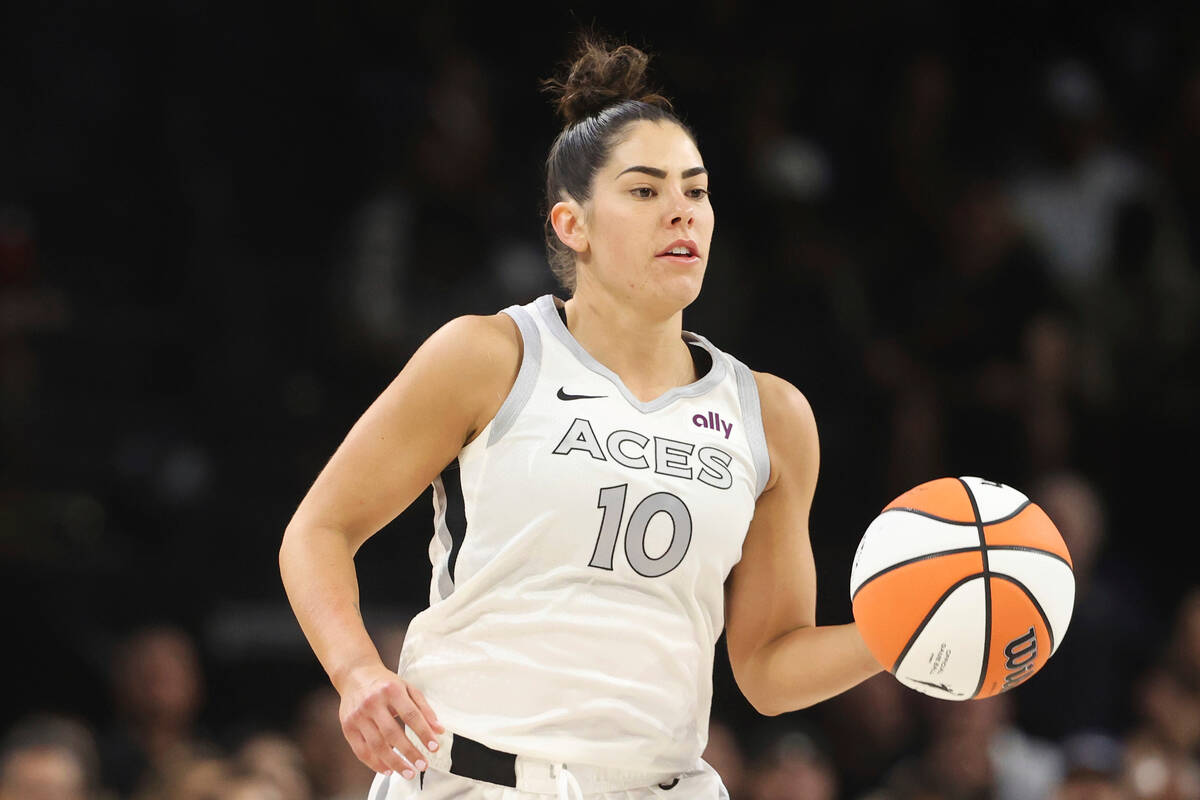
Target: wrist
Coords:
[[867, 660], [355, 672]]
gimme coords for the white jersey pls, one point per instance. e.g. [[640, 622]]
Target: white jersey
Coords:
[[580, 549]]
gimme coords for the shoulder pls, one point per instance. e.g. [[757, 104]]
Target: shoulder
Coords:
[[474, 331], [789, 426], [475, 358], [484, 343]]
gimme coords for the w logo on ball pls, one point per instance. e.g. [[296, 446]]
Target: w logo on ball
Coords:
[[1019, 657]]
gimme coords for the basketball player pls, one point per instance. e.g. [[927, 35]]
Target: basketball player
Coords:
[[610, 492]]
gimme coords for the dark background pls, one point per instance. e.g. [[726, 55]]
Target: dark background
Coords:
[[224, 229]]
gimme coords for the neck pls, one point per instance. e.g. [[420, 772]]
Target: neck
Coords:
[[644, 348]]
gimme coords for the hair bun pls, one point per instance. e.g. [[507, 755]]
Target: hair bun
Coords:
[[601, 75]]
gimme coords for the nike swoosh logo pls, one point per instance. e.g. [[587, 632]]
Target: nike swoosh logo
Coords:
[[564, 396]]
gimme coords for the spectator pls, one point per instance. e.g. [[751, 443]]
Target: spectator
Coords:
[[1086, 683], [792, 767], [47, 757], [1092, 763], [1170, 714], [1162, 756], [193, 776], [952, 348], [158, 692], [277, 760], [1068, 202], [1153, 771], [974, 752]]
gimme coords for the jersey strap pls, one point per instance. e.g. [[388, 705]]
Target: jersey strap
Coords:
[[752, 419], [522, 390]]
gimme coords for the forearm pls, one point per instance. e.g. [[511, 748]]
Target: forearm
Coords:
[[317, 567], [808, 665]]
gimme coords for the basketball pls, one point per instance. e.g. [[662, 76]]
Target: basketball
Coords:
[[962, 588]]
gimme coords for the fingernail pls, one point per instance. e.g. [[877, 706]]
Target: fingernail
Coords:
[[420, 764], [388, 773], [432, 745], [408, 773]]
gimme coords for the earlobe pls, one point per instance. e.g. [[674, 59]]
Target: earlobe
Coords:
[[567, 219]]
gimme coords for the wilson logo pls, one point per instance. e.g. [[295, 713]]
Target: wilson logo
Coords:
[[1020, 658]]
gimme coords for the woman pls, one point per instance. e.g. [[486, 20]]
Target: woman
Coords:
[[610, 492]]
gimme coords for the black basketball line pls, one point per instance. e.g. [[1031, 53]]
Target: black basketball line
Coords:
[[1037, 550], [913, 560], [996, 521], [1032, 599], [959, 551], [913, 639], [987, 590]]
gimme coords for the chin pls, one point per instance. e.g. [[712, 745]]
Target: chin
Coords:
[[680, 291]]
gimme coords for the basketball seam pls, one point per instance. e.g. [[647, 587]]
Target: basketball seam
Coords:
[[954, 552], [1041, 611], [987, 590], [976, 523], [929, 616], [1036, 550], [915, 559]]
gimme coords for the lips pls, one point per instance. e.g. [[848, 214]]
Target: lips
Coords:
[[693, 251]]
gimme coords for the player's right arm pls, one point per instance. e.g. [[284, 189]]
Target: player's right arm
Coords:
[[447, 392]]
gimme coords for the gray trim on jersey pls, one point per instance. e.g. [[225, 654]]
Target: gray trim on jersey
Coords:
[[752, 418], [522, 390], [549, 311], [445, 584], [383, 788]]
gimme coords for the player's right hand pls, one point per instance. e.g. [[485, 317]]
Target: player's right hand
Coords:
[[377, 705]]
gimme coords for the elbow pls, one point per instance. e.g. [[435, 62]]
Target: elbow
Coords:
[[771, 698], [285, 549], [760, 698], [767, 703], [307, 544], [772, 707], [291, 548], [290, 534], [766, 709]]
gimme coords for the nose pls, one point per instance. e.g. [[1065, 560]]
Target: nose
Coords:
[[682, 210]]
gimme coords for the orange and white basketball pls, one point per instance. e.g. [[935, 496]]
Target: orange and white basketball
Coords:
[[962, 588]]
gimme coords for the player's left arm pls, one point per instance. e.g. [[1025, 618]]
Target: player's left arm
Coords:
[[781, 659]]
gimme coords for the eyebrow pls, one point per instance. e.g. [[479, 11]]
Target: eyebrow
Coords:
[[662, 173]]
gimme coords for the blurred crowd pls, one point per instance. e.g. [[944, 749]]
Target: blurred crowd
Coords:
[[974, 244], [155, 746], [1127, 734]]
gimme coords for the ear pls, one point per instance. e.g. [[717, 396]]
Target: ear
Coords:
[[569, 222]]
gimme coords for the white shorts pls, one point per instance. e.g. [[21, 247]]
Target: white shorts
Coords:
[[537, 779]]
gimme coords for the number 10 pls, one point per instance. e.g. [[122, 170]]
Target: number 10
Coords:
[[612, 500]]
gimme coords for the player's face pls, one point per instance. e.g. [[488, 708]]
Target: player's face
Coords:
[[652, 192]]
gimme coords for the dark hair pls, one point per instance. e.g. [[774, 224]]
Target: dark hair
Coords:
[[601, 92]]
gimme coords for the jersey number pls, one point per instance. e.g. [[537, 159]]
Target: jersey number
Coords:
[[612, 500]]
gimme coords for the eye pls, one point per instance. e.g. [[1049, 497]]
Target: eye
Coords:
[[647, 189], [702, 192]]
